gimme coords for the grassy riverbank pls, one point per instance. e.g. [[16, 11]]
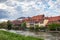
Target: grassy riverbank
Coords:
[[12, 36]]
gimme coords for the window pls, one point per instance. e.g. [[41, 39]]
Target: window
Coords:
[[41, 22], [36, 22], [59, 20]]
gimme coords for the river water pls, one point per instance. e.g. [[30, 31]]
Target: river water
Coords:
[[44, 35]]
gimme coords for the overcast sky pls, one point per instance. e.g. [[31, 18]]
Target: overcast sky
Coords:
[[12, 9]]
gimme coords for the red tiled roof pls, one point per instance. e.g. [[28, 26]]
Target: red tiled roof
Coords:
[[34, 18], [26, 19], [17, 22], [37, 18], [56, 18]]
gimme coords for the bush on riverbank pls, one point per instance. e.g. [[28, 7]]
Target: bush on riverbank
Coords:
[[3, 25], [9, 25], [54, 27], [12, 36]]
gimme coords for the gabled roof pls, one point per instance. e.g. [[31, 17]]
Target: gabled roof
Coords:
[[34, 18], [56, 18], [16, 22]]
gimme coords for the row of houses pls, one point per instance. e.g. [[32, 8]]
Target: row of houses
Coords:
[[39, 20]]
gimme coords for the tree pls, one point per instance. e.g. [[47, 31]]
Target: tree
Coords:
[[41, 28], [3, 25], [53, 26], [23, 25], [9, 25], [36, 27]]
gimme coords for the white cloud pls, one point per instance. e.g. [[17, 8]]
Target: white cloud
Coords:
[[3, 20], [26, 5], [3, 6], [32, 7], [11, 10]]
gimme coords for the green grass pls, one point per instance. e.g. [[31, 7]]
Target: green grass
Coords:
[[12, 36]]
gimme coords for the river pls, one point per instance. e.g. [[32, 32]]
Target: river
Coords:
[[44, 35]]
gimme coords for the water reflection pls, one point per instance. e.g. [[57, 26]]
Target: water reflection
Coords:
[[44, 35], [50, 36]]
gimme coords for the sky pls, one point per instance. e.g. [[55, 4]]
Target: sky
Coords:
[[13, 9]]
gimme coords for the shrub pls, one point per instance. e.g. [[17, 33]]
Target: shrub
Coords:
[[9, 25], [53, 26], [3, 25]]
